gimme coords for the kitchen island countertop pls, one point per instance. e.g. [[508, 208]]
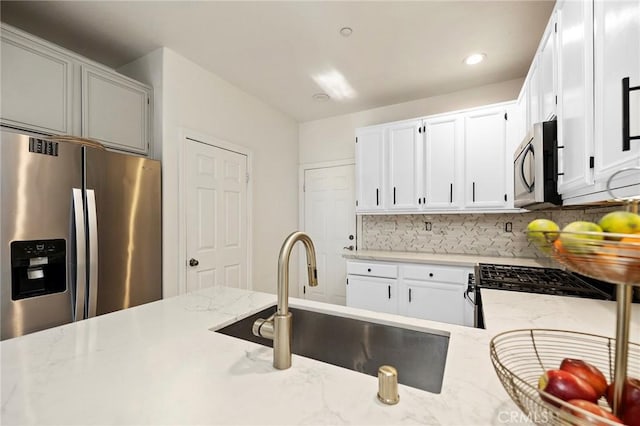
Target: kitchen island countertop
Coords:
[[160, 364]]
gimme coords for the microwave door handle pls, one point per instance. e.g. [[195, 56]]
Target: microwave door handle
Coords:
[[92, 226], [524, 157], [80, 250]]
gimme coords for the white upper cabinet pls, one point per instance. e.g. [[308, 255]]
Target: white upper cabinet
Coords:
[[616, 56], [36, 87], [115, 110], [442, 174], [49, 90], [575, 88], [533, 94], [445, 162], [547, 73], [404, 146], [485, 163], [369, 168]]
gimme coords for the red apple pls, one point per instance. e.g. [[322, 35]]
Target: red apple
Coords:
[[632, 415], [630, 403], [587, 372], [592, 408], [565, 386]]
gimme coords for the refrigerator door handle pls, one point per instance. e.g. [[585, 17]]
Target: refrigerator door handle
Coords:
[[92, 226], [79, 240]]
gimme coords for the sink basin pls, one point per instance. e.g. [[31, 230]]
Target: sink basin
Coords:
[[419, 356]]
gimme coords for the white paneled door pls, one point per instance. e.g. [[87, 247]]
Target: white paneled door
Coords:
[[216, 197], [329, 219]]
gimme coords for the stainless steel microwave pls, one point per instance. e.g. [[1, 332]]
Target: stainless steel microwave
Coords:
[[535, 168]]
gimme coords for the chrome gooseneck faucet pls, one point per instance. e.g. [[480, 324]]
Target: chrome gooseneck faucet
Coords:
[[278, 326]]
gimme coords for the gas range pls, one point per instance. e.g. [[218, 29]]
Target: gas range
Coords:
[[540, 280]]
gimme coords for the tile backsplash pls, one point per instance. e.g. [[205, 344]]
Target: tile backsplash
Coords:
[[483, 234]]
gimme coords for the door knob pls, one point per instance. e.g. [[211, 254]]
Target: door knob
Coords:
[[348, 247], [193, 262]]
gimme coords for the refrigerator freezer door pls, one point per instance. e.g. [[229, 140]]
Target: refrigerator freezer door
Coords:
[[128, 230], [37, 237]]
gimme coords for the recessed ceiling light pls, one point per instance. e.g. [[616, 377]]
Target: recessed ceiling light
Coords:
[[346, 31], [320, 97], [474, 58]]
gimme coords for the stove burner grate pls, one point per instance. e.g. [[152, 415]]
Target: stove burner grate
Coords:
[[536, 280]]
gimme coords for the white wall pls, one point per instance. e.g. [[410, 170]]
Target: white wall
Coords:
[[195, 99], [333, 138]]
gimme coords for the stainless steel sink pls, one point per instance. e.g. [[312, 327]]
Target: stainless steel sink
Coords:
[[362, 346]]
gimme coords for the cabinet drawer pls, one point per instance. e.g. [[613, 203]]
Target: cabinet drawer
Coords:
[[436, 273], [372, 269]]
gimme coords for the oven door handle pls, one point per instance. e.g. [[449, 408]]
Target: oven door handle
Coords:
[[528, 185], [470, 288]]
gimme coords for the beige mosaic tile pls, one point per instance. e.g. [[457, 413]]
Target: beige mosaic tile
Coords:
[[482, 234]]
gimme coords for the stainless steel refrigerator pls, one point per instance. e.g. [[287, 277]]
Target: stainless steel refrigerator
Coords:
[[80, 232]]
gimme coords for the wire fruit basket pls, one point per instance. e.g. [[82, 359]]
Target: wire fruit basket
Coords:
[[520, 357]]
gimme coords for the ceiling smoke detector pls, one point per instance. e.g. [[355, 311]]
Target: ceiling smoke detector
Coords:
[[320, 97], [474, 58], [346, 31]]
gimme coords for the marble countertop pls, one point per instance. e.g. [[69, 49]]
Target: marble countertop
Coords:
[[160, 364], [444, 259]]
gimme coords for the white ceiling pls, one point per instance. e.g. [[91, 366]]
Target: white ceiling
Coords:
[[399, 51]]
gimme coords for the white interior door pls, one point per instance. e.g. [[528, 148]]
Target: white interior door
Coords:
[[329, 219], [216, 197]]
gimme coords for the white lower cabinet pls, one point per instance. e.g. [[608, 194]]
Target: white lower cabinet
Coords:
[[431, 292], [442, 302], [375, 294]]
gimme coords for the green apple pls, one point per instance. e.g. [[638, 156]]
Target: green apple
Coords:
[[542, 232], [621, 222], [575, 240]]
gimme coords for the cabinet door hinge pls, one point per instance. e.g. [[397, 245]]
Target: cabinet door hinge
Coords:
[[356, 203], [505, 197], [356, 140], [347, 281], [555, 27], [505, 116], [304, 289], [556, 99], [592, 162]]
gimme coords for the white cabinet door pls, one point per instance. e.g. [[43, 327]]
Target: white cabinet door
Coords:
[[375, 294], [616, 56], [115, 110], [520, 114], [485, 162], [404, 145], [369, 168], [36, 87], [575, 94], [442, 182], [434, 301], [547, 72], [533, 109]]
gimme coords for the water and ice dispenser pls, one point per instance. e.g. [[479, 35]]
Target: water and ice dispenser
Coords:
[[38, 267]]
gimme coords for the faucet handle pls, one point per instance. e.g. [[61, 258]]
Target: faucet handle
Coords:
[[263, 328]]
